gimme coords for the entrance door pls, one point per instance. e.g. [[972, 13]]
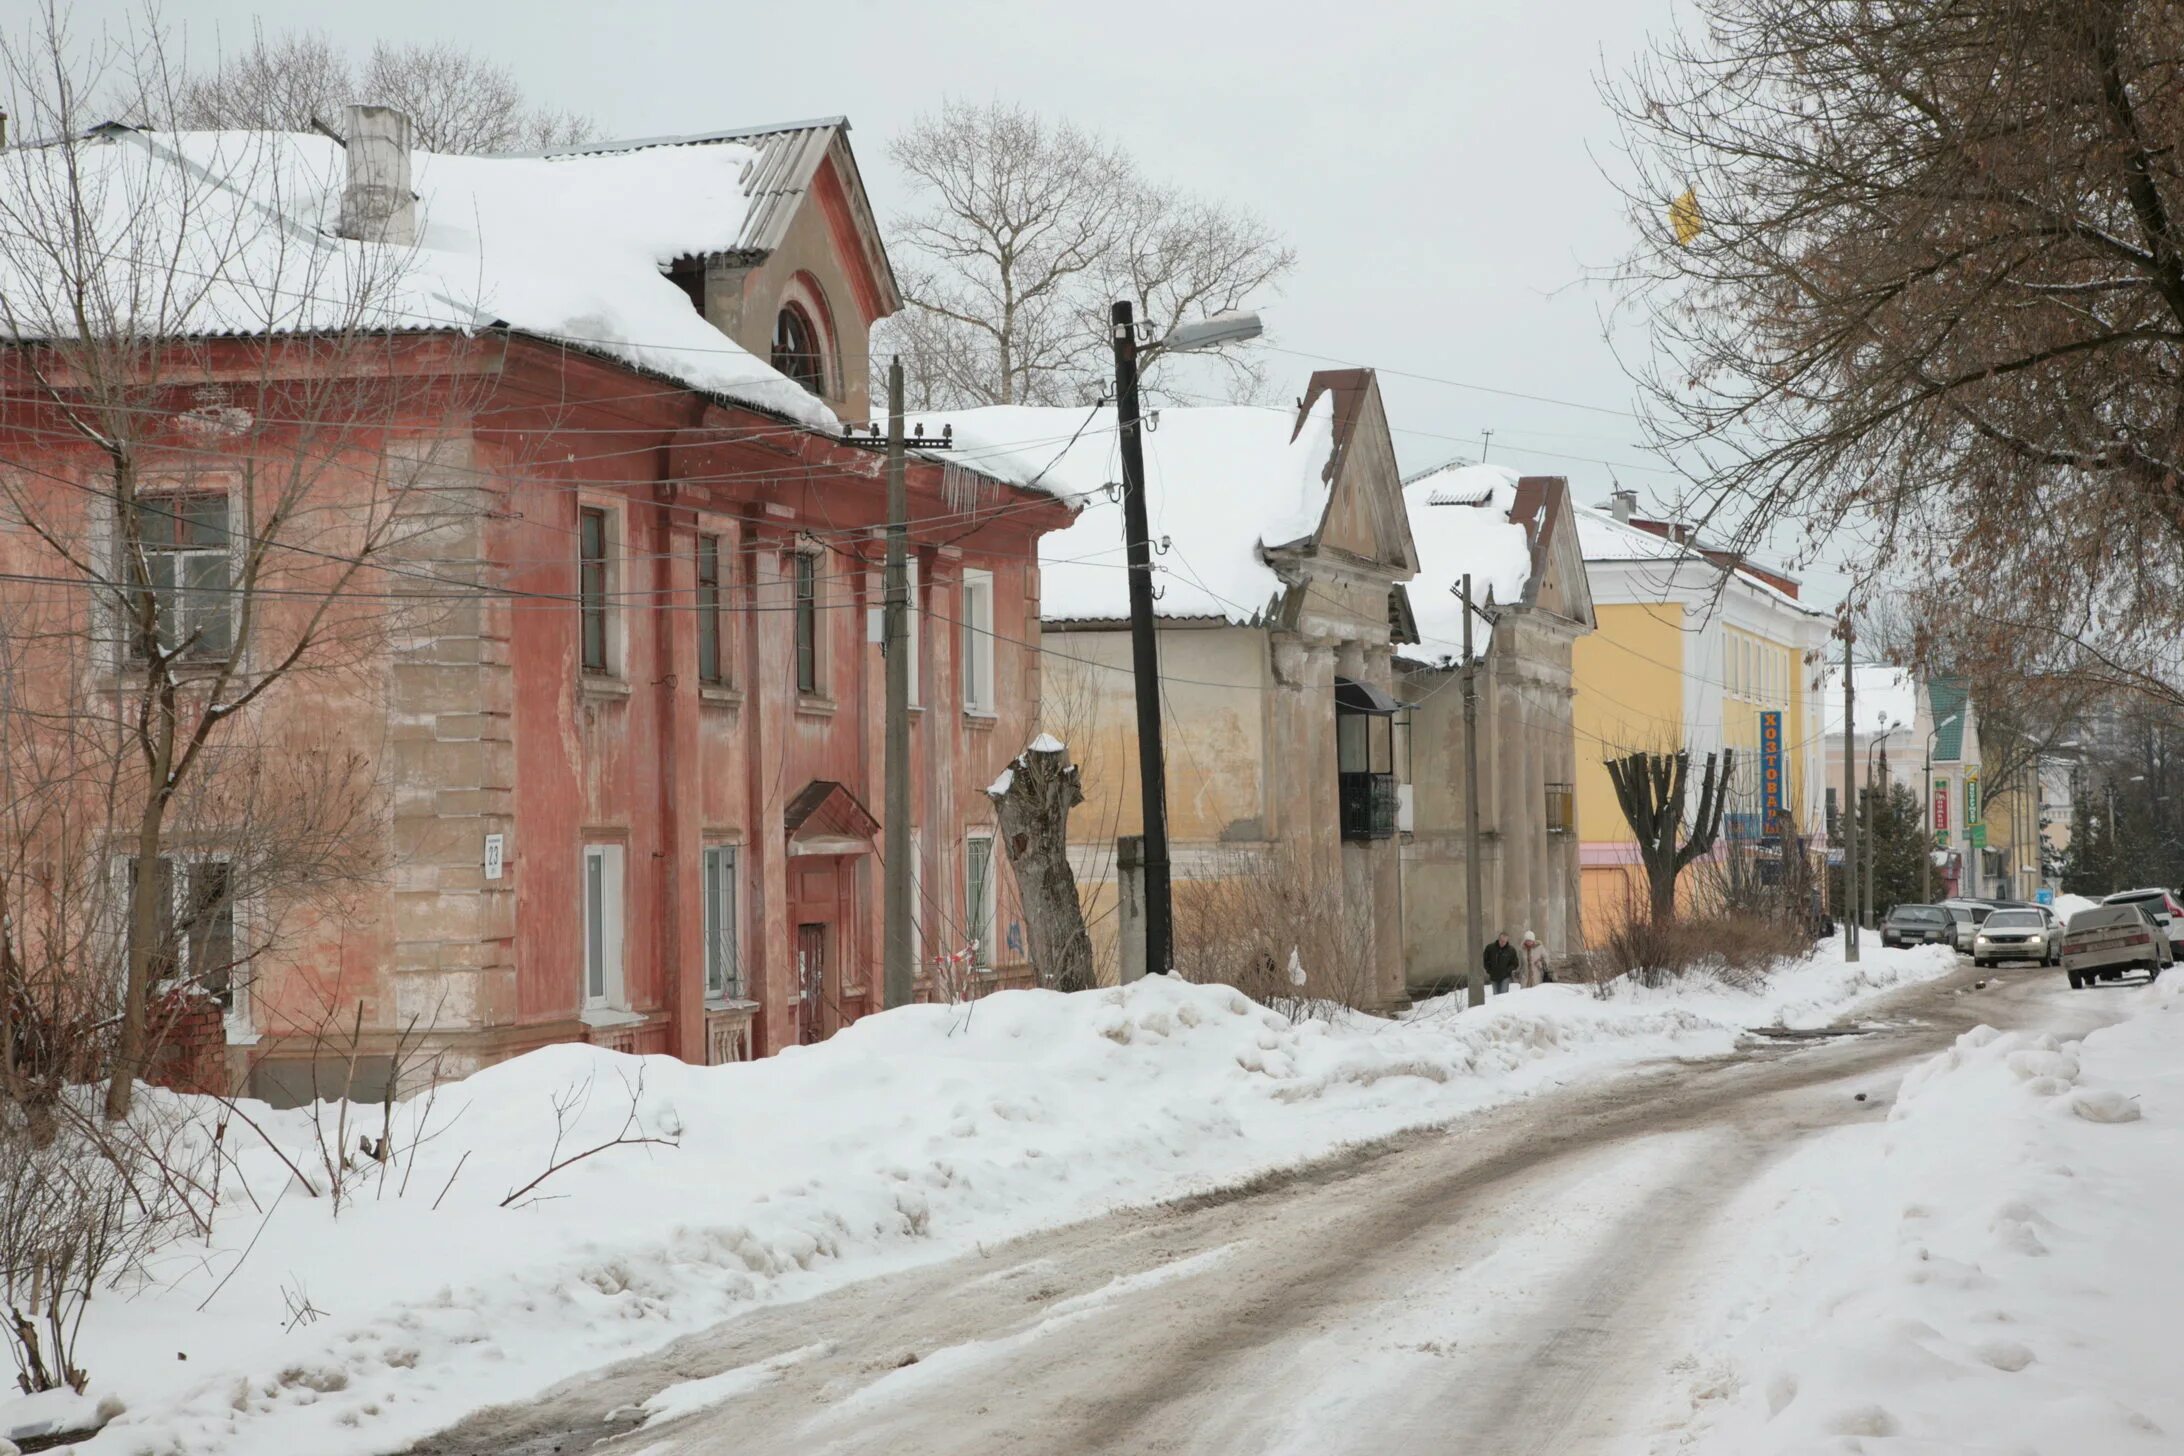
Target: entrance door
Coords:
[[811, 981]]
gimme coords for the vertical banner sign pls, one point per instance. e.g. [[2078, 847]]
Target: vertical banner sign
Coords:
[[1941, 807], [1971, 800], [1770, 769]]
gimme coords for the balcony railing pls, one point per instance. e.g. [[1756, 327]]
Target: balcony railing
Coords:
[[1368, 805]]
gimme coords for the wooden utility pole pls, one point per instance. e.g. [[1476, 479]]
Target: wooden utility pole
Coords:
[[1144, 648], [899, 974], [1850, 793], [1475, 986]]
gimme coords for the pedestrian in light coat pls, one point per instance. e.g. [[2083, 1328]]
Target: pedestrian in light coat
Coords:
[[1536, 970]]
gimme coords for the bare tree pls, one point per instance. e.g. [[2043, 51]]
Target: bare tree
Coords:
[[1027, 231], [1921, 266], [456, 101], [459, 102], [204, 515], [1653, 791], [279, 83]]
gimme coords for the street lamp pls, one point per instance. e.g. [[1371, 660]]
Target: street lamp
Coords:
[[1222, 328]]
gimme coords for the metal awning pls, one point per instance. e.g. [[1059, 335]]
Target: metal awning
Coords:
[[1363, 697]]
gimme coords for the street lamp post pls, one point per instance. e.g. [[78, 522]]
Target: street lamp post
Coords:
[[1225, 328]]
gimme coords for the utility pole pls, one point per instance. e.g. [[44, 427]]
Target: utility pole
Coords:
[[899, 976], [1850, 791], [1475, 987], [1144, 647]]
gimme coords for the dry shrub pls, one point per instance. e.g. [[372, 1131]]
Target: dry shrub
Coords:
[[1276, 925], [82, 1203], [1735, 948]]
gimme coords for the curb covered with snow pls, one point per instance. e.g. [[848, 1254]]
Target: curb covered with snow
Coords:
[[909, 1137], [1993, 1269]]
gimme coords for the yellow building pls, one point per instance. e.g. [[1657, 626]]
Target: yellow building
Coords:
[[1692, 647]]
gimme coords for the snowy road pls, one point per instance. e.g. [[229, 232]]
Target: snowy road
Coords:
[[1510, 1284]]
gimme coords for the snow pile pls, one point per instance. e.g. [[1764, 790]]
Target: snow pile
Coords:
[[1991, 1270], [239, 232], [908, 1137], [1220, 482], [1459, 520], [2066, 906]]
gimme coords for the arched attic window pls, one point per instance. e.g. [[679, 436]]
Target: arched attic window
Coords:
[[796, 349]]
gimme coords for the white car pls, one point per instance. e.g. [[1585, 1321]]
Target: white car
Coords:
[[2013, 934], [2102, 943]]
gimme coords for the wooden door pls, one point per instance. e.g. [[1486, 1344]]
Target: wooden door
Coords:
[[811, 982]]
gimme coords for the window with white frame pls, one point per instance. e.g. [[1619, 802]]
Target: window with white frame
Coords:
[[723, 945], [978, 689], [188, 563], [913, 627], [197, 920], [602, 892], [804, 566], [978, 896], [713, 557], [595, 543]]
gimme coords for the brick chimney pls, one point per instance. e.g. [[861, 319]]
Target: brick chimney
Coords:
[[377, 205], [1623, 504]]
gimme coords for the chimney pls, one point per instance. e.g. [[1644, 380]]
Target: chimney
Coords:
[[1623, 504], [377, 205], [3, 128]]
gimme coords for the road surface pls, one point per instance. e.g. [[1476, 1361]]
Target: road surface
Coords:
[[1513, 1283]]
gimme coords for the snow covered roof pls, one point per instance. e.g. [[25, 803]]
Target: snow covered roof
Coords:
[[1887, 697], [1221, 483], [1460, 521], [208, 233]]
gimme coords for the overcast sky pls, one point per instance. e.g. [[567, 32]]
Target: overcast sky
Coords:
[[1433, 165]]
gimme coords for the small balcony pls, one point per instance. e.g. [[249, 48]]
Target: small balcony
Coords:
[[1368, 805]]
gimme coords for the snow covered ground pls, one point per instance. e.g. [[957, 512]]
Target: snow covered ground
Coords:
[[911, 1136], [1992, 1269]]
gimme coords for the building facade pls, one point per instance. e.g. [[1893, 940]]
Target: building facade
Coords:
[[610, 714], [1695, 650], [1516, 538], [1281, 545]]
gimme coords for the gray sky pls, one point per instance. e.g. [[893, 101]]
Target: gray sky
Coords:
[[1433, 165]]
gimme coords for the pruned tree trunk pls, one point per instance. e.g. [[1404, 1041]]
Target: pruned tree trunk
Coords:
[[1652, 789], [1032, 801]]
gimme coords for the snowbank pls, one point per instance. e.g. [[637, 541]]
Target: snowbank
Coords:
[[908, 1137], [1992, 1269]]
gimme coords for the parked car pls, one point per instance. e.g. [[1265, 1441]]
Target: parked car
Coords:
[[2102, 943], [2018, 933], [1918, 925], [1967, 914], [2160, 906]]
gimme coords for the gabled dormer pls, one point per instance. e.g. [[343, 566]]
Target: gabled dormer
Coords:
[[800, 276]]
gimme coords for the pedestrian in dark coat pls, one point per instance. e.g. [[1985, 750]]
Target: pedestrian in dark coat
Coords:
[[1502, 963]]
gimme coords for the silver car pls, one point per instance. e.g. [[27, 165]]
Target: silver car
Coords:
[[2017, 935]]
